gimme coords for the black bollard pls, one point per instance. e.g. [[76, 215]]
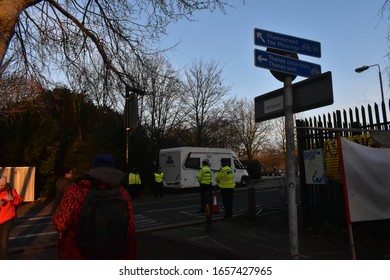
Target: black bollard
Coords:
[[251, 202], [208, 218]]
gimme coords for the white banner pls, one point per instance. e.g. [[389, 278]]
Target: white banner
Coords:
[[22, 179], [367, 178]]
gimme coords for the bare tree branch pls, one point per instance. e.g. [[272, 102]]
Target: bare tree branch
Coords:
[[62, 38]]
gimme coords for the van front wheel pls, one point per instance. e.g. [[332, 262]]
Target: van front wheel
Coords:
[[244, 182]]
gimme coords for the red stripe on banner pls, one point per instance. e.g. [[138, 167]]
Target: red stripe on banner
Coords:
[[348, 215]]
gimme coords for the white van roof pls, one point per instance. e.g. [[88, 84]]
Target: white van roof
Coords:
[[199, 149]]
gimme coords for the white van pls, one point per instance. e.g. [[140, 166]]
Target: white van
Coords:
[[181, 165]]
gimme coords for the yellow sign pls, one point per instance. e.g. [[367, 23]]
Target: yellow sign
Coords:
[[331, 154]]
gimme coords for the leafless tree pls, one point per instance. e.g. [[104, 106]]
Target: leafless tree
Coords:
[[204, 90], [384, 12], [70, 38], [251, 136], [278, 136], [160, 108], [19, 94]]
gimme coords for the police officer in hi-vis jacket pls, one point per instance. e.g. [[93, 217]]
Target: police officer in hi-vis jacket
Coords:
[[205, 177], [225, 180]]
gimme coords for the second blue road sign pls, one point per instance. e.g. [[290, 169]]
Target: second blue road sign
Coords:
[[286, 64]]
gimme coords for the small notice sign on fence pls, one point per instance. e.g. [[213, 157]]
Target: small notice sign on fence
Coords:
[[314, 166]]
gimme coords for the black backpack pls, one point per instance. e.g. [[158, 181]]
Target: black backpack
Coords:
[[103, 226]]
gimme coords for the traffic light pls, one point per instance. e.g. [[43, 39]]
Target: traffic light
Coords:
[[131, 111]]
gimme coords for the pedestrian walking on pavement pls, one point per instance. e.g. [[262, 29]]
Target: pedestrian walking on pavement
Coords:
[[9, 200], [158, 182], [62, 184], [66, 220], [225, 180], [205, 176]]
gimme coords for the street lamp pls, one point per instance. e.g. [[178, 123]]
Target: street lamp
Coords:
[[364, 68], [131, 117]]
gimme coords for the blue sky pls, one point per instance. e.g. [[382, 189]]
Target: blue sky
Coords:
[[351, 33]]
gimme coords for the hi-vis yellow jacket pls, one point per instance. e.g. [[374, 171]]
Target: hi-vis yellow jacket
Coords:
[[225, 178], [158, 177], [134, 179], [205, 175]]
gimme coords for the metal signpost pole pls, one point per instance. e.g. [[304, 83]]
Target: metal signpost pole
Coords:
[[279, 58], [291, 179]]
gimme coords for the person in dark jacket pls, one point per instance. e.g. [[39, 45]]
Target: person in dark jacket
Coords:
[[62, 184]]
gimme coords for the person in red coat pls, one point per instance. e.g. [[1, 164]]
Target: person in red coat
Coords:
[[66, 217], [9, 199]]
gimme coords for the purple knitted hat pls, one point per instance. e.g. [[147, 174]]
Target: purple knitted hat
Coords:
[[103, 160]]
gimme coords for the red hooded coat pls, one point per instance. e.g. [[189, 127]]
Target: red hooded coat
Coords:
[[66, 218], [8, 208]]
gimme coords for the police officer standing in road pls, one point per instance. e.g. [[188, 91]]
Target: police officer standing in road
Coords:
[[205, 177], [225, 180], [158, 181], [134, 184]]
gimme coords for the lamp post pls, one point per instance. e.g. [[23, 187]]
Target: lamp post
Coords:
[[364, 68], [131, 119]]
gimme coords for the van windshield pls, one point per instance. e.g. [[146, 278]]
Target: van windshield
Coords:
[[238, 164]]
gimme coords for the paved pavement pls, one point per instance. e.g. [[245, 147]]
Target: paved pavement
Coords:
[[264, 237]]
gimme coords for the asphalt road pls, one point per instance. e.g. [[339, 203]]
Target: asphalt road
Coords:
[[170, 228], [33, 231]]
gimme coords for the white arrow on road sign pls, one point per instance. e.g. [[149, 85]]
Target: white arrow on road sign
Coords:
[[261, 59], [260, 36], [285, 42]]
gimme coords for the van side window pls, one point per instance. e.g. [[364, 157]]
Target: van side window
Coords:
[[227, 160], [192, 163], [238, 164]]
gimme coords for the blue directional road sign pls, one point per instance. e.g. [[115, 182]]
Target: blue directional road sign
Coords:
[[287, 43], [286, 64]]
